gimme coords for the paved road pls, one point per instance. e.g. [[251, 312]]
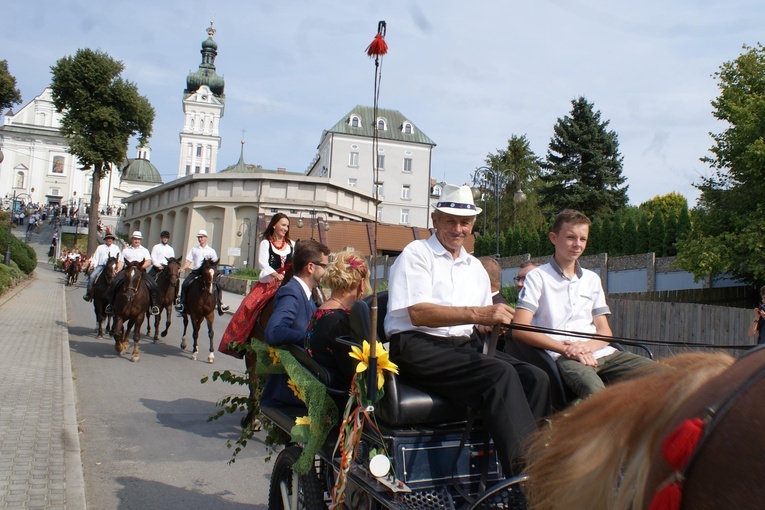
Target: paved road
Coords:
[[146, 442]]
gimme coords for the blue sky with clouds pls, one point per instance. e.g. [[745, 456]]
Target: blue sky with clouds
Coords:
[[468, 74]]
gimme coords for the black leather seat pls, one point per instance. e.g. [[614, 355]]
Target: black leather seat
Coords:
[[404, 404]]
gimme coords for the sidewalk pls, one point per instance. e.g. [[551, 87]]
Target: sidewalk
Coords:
[[40, 465]]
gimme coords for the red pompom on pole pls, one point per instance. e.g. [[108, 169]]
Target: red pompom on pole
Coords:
[[378, 47], [668, 498], [678, 447]]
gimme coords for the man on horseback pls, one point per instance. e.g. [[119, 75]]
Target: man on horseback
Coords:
[[98, 261], [194, 260], [159, 255], [133, 253]]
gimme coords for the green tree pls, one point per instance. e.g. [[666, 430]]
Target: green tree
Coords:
[[9, 94], [642, 242], [656, 236], [670, 234], [663, 204], [594, 238], [605, 236], [629, 234], [728, 234], [101, 111], [583, 168]]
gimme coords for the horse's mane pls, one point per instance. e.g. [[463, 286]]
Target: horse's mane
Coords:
[[598, 453]]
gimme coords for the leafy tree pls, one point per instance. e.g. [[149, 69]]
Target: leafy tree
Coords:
[[642, 242], [663, 204], [670, 234], [101, 111], [683, 226], [583, 168], [629, 234], [9, 94], [728, 234]]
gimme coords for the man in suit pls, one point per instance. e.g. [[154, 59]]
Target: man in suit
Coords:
[[293, 309]]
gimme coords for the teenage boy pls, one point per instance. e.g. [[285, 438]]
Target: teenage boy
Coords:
[[561, 295]]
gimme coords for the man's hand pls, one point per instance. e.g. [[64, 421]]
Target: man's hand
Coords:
[[581, 352], [495, 314]]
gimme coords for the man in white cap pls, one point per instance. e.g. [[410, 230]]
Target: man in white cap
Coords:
[[194, 260], [132, 253], [437, 293], [99, 259]]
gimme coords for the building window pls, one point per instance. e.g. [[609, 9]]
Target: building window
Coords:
[[352, 182], [196, 169], [19, 180], [379, 214], [436, 191], [274, 210], [199, 150], [188, 169], [407, 128], [378, 189], [408, 165], [404, 217], [380, 125], [56, 192], [381, 161], [354, 121], [406, 192], [353, 159], [207, 169]]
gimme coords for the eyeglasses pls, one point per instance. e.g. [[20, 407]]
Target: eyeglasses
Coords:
[[519, 279], [319, 264]]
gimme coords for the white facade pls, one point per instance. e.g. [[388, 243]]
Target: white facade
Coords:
[[404, 155], [200, 138]]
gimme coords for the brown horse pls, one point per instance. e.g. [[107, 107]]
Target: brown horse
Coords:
[[688, 435], [200, 305], [101, 295], [130, 304], [73, 271], [167, 288]]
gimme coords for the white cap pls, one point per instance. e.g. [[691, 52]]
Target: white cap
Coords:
[[202, 233]]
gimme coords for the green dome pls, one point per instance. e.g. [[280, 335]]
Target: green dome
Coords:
[[141, 170], [206, 74]]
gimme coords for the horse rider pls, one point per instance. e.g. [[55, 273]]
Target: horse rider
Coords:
[[133, 253], [160, 253], [98, 261], [195, 259]]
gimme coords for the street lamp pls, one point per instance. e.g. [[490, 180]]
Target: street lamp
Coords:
[[488, 175], [246, 223], [10, 221], [315, 221]]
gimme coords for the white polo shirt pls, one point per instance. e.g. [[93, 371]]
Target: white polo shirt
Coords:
[[160, 253], [426, 273], [103, 252], [197, 255], [562, 303], [130, 254]]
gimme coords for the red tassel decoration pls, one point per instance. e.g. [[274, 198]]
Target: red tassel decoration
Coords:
[[678, 447], [378, 47], [668, 498]]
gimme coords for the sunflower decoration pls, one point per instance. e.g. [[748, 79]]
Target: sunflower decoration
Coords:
[[296, 389], [383, 363], [275, 360], [301, 431]]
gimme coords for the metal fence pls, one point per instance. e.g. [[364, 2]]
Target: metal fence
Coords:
[[681, 323]]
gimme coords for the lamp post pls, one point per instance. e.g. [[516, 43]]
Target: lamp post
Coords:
[[488, 175], [246, 223], [10, 222], [315, 221]]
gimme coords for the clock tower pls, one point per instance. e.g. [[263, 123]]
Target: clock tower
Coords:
[[203, 105]]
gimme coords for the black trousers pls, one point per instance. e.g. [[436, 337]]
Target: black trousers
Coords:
[[510, 394]]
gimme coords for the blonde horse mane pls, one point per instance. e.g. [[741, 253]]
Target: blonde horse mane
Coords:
[[598, 453]]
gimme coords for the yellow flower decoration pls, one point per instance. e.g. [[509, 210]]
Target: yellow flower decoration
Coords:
[[294, 387], [383, 363], [302, 420], [274, 356]]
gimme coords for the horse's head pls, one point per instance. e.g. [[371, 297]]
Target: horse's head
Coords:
[[110, 268], [208, 274], [133, 278], [171, 270]]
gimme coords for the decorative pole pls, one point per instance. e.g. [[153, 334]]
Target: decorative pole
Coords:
[[377, 49]]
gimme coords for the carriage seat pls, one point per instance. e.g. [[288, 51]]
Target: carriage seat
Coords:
[[404, 404]]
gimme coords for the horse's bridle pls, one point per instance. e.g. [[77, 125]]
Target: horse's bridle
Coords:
[[131, 291]]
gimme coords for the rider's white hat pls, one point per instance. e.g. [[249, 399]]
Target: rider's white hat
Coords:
[[136, 235], [202, 233], [457, 200]]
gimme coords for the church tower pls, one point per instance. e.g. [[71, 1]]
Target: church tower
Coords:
[[203, 104]]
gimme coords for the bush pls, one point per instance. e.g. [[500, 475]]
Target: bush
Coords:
[[9, 276], [22, 254], [245, 274]]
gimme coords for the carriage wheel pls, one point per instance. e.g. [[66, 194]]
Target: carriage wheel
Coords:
[[290, 490]]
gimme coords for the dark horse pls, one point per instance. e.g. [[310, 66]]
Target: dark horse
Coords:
[[101, 295], [73, 271], [687, 436], [200, 305], [167, 286], [130, 305]]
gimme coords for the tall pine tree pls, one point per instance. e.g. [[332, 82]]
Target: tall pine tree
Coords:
[[583, 167]]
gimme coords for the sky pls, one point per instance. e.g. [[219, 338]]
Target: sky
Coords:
[[469, 74]]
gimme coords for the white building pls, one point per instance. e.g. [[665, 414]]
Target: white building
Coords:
[[404, 155], [36, 163], [203, 105]]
